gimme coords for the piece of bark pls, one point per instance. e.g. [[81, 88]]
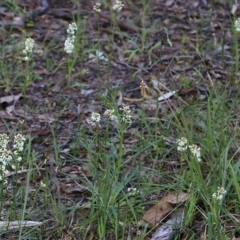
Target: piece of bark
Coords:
[[168, 229]]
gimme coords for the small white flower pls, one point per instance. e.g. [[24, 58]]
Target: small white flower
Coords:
[[96, 7], [118, 6], [126, 114], [6, 155], [13, 167], [219, 194], [94, 119], [132, 191], [68, 46], [196, 152], [114, 118], [110, 113], [237, 24], [72, 27], [90, 122], [38, 51], [100, 56], [4, 139], [3, 163], [19, 141], [125, 109], [19, 138], [72, 39], [29, 43], [182, 144], [127, 119], [9, 158], [42, 185], [139, 233]]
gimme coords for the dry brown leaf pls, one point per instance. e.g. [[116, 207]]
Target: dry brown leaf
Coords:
[[45, 118], [168, 3], [9, 109], [194, 4], [17, 224], [5, 115], [156, 213], [167, 95], [119, 98], [234, 8], [70, 188], [66, 169], [174, 198], [23, 114], [11, 98]]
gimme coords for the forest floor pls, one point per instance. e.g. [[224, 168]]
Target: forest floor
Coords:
[[168, 70]]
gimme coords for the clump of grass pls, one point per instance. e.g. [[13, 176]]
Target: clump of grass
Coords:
[[209, 181]]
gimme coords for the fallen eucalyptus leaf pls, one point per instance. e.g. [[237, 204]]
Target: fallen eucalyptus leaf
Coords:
[[11, 98], [4, 225], [167, 95]]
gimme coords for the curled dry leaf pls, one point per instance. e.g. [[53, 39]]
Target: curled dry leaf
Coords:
[[11, 98], [156, 213], [9, 109], [234, 8], [174, 198], [167, 95], [119, 98], [169, 3]]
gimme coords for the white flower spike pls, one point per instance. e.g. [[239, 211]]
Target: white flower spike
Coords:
[[219, 194], [29, 43], [118, 6], [69, 43], [237, 24]]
